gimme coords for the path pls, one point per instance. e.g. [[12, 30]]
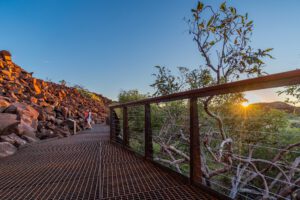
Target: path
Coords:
[[86, 166]]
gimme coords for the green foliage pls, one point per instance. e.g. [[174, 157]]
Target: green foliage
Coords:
[[223, 40], [165, 82], [224, 35], [255, 124], [135, 119], [63, 82], [229, 132], [90, 95], [130, 95], [168, 83], [292, 95]]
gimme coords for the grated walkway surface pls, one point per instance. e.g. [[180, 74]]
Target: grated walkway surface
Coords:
[[86, 166]]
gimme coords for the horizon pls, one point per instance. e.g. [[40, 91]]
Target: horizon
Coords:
[[104, 45]]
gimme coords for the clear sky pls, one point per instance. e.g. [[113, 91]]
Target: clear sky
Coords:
[[108, 45]]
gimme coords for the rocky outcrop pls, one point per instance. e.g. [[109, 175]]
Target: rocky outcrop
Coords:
[[33, 109], [7, 149], [13, 139], [7, 122]]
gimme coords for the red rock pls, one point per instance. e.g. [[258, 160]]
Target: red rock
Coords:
[[36, 86], [6, 73], [25, 113], [33, 100], [45, 105], [30, 139], [13, 139], [3, 105], [7, 122], [24, 129], [22, 109], [7, 149], [44, 134]]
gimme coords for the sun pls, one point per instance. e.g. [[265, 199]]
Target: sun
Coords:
[[245, 104]]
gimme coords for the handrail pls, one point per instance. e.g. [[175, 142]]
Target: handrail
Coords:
[[74, 125], [263, 82], [196, 177]]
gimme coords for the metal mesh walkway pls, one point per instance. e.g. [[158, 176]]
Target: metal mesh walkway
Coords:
[[87, 166]]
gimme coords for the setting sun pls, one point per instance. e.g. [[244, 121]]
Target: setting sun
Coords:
[[245, 104]]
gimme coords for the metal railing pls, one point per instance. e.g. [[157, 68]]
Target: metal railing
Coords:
[[74, 125], [119, 120]]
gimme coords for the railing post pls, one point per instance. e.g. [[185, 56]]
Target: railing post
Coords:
[[148, 133], [125, 127], [111, 123], [195, 159]]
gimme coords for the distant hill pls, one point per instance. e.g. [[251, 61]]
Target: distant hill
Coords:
[[280, 106]]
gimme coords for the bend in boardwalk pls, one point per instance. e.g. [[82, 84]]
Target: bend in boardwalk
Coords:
[[87, 166]]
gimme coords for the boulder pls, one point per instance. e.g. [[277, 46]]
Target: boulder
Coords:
[[7, 122], [33, 100], [30, 139], [7, 149], [13, 139], [62, 131], [25, 112], [59, 121], [7, 73], [36, 86], [24, 129], [37, 108], [49, 110], [3, 105], [22, 109], [42, 115], [45, 133]]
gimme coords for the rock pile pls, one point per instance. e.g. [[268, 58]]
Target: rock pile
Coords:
[[33, 109]]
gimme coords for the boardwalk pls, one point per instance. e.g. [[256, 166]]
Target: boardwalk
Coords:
[[86, 166]]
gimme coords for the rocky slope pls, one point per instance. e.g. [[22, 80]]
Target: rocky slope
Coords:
[[33, 109]]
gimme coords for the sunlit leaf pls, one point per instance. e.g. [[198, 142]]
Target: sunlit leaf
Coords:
[[200, 6], [233, 10], [249, 23], [268, 50], [201, 25], [212, 29], [210, 21], [223, 6]]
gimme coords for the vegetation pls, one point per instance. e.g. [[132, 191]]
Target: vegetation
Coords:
[[246, 151], [90, 95], [63, 82], [135, 119]]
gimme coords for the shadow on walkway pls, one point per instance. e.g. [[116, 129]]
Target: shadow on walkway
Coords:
[[87, 166]]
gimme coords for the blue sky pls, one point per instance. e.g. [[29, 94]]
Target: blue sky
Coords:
[[108, 45]]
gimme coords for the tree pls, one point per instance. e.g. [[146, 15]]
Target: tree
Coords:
[[135, 118], [63, 82], [294, 92], [223, 40], [130, 95]]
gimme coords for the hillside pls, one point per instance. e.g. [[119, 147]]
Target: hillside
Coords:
[[33, 109], [280, 106]]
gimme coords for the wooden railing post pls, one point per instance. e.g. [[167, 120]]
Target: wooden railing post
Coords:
[[112, 124], [148, 133], [195, 159], [125, 127]]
